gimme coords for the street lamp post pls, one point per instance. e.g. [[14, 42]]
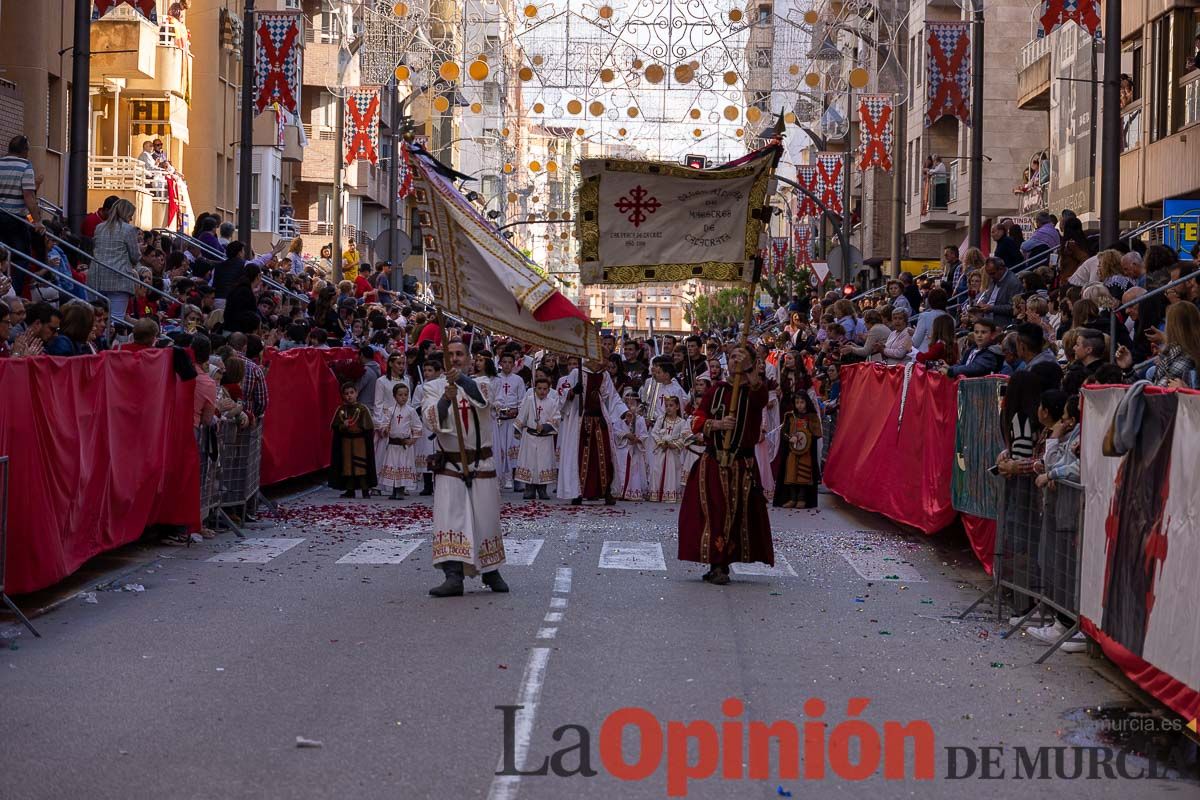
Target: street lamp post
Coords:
[[975, 208], [81, 70], [246, 145], [1110, 147]]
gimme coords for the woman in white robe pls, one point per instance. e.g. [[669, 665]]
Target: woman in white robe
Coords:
[[670, 435], [397, 470]]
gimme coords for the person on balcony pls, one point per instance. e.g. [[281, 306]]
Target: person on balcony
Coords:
[[118, 249]]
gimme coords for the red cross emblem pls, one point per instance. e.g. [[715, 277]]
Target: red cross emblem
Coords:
[[807, 177], [637, 205], [949, 98], [464, 409], [276, 79], [874, 151], [1083, 12], [362, 123], [830, 197]]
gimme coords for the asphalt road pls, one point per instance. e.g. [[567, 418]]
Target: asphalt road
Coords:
[[319, 626]]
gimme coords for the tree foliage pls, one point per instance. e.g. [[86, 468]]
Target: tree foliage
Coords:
[[722, 309]]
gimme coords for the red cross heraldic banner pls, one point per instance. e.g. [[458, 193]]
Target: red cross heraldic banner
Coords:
[[875, 118], [1141, 543], [477, 275], [646, 221], [1056, 13], [277, 68], [829, 180], [806, 176], [362, 125], [949, 71], [147, 8], [803, 236]]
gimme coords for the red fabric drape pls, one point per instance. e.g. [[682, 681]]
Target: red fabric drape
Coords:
[[981, 533], [100, 447], [304, 395], [1173, 693], [903, 474]]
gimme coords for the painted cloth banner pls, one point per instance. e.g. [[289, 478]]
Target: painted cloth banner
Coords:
[[897, 467], [1056, 13], [147, 8], [1141, 543], [643, 221], [978, 439], [829, 180], [297, 436], [948, 71], [277, 68], [803, 245], [806, 176], [477, 275], [875, 123], [362, 125], [100, 448]]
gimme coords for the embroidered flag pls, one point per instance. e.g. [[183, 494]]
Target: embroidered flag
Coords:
[[806, 176], [949, 71], [802, 233], [829, 181], [147, 8], [277, 61], [875, 122], [362, 125], [404, 178], [1056, 13]]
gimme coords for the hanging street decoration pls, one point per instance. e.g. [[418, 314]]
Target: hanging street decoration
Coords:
[[829, 181], [147, 8], [949, 71], [277, 67], [362, 125], [1056, 13], [806, 176], [875, 119]]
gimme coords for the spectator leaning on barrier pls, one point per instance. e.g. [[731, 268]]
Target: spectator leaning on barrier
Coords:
[[1090, 353], [935, 303], [876, 339], [78, 319], [205, 407], [899, 342], [1178, 356], [983, 357]]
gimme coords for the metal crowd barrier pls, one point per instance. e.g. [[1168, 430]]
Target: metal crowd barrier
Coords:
[[210, 468], [1036, 558], [4, 466], [241, 457]]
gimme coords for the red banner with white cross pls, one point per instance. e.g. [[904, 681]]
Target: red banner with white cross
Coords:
[[875, 123], [948, 71], [147, 8], [362, 125]]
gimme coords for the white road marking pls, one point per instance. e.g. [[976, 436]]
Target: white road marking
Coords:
[[521, 552], [782, 569], [879, 563], [505, 787], [256, 550], [558, 602], [553, 616], [562, 580], [632, 555], [547, 633], [381, 551]]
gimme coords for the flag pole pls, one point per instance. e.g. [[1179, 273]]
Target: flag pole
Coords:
[[458, 426]]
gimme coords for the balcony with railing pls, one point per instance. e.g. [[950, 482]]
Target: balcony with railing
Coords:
[[128, 179], [1033, 192], [1033, 75], [324, 231], [173, 63], [124, 44]]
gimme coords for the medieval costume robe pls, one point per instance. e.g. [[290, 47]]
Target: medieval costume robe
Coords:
[[397, 469], [669, 439], [723, 518], [466, 518], [630, 439], [537, 422], [654, 399], [797, 469], [352, 458], [586, 465], [507, 393]]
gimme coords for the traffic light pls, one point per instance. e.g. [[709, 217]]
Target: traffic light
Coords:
[[694, 161]]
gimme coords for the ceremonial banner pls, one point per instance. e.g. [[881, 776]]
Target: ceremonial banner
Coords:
[[1056, 13], [829, 181], [949, 71], [477, 275], [875, 122], [147, 8], [806, 176], [277, 67], [1141, 542], [643, 221], [803, 245], [362, 125]]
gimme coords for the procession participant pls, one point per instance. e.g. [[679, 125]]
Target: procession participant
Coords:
[[535, 431], [694, 445], [424, 448], [636, 370], [666, 458], [662, 384], [397, 469], [466, 500], [590, 403], [508, 390], [385, 402], [797, 471], [693, 361], [629, 446], [768, 443], [352, 459], [723, 518]]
